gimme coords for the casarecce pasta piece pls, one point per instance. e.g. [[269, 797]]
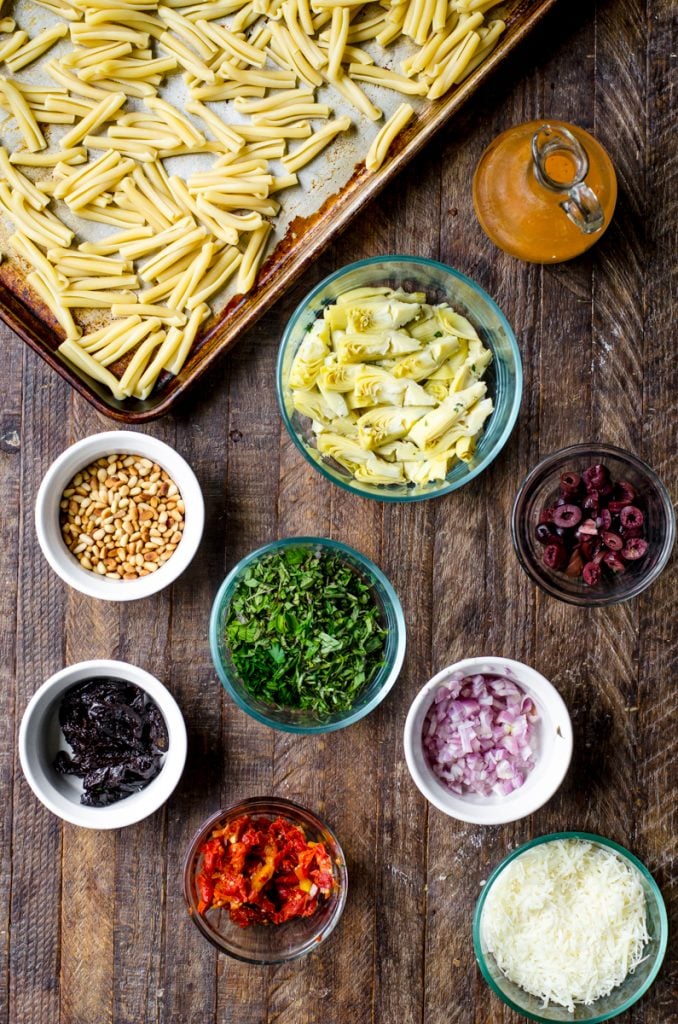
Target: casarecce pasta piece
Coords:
[[385, 137]]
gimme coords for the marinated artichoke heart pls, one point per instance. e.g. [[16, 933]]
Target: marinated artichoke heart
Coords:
[[386, 423], [376, 386], [393, 386], [310, 357]]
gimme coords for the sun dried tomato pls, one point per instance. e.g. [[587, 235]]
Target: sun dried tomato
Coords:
[[264, 871], [211, 853], [206, 891]]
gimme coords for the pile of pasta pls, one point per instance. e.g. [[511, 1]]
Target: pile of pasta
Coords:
[[179, 241], [392, 386]]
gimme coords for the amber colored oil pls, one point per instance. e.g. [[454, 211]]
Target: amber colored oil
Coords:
[[523, 217]]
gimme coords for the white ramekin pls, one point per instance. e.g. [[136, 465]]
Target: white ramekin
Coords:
[[40, 738], [76, 458], [553, 738]]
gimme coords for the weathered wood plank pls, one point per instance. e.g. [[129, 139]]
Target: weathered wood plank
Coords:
[[87, 909], [657, 653], [10, 499], [616, 374], [34, 953]]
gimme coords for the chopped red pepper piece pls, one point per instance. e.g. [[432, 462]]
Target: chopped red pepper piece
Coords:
[[265, 871]]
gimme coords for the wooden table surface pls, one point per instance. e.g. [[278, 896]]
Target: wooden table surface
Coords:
[[94, 927]]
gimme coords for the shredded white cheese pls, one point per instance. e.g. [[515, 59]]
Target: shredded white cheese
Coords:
[[566, 921]]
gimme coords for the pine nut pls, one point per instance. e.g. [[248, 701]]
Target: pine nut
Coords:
[[122, 517]]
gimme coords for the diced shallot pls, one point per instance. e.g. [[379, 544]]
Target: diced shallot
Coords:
[[478, 734]]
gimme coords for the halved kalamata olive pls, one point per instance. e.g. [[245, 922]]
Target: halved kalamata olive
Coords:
[[591, 574], [632, 517], [634, 548], [612, 540], [595, 477], [569, 483], [613, 561], [542, 533], [625, 490], [567, 516], [592, 501], [575, 564], [588, 529], [615, 507], [555, 556], [604, 519]]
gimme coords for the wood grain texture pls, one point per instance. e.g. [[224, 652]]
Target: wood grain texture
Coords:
[[657, 653], [94, 926], [34, 936], [10, 499]]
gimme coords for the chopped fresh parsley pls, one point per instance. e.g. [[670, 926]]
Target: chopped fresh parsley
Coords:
[[304, 630]]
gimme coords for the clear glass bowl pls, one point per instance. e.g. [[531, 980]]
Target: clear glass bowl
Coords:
[[540, 489], [298, 720], [273, 944], [504, 376], [620, 999]]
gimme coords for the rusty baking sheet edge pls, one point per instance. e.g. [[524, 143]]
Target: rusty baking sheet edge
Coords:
[[287, 261]]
